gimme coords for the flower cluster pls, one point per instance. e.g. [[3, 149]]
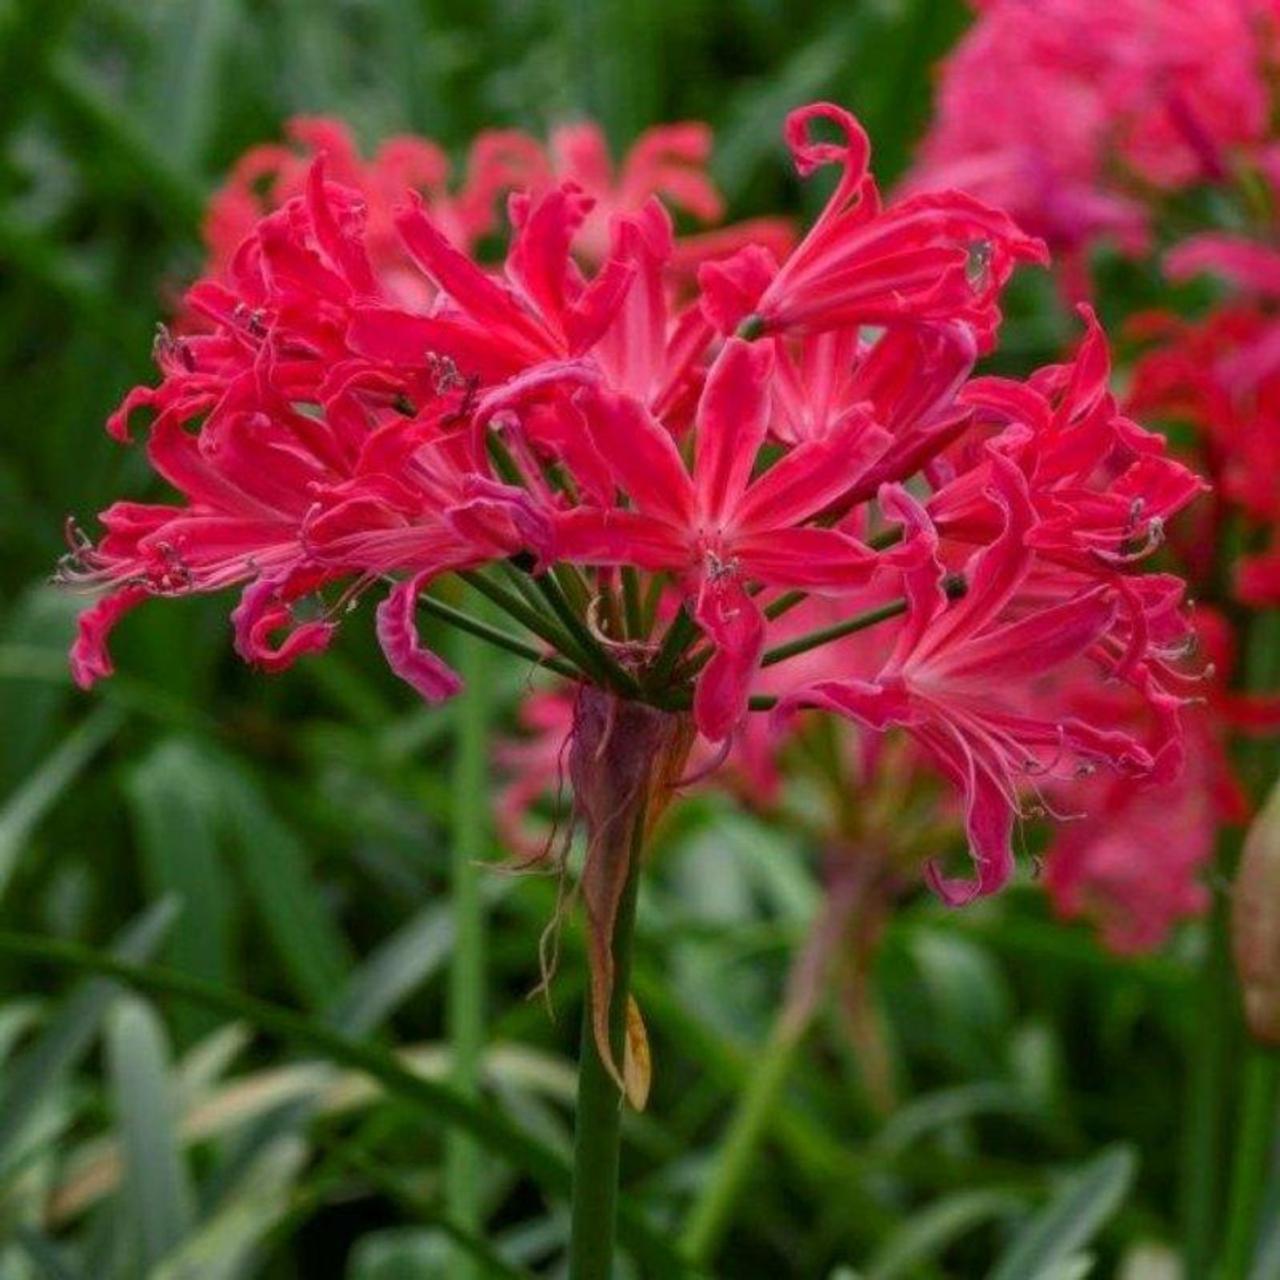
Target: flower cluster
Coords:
[[1079, 116], [1124, 124], [650, 468]]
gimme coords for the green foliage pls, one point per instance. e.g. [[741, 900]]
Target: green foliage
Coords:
[[273, 1101]]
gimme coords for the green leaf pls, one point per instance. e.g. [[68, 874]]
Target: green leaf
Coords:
[[276, 873], [437, 1102], [190, 48], [43, 787], [1071, 1218], [396, 968], [220, 1248], [41, 1068], [173, 801], [44, 1254], [930, 1111], [926, 1234], [158, 1196], [42, 622]]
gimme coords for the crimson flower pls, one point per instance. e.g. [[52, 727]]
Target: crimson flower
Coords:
[[661, 482]]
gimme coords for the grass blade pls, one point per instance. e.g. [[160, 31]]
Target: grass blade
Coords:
[[275, 872], [437, 1102], [926, 1234], [72, 1030], [43, 1254], [158, 1197], [38, 794], [1070, 1219], [174, 807]]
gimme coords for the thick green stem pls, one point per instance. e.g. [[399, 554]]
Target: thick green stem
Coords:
[[1255, 1138], [598, 1122], [466, 1009]]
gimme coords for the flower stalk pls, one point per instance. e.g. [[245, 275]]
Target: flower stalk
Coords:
[[624, 759], [467, 974]]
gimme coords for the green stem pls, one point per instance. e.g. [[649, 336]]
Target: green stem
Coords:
[[598, 1121], [521, 608], [1210, 1058], [1255, 1138], [495, 636], [587, 651], [680, 634], [633, 607], [466, 1009], [757, 1107]]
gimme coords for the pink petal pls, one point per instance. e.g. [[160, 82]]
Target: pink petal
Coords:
[[398, 634], [736, 627], [90, 658], [732, 417], [813, 558], [641, 454], [594, 535], [812, 476]]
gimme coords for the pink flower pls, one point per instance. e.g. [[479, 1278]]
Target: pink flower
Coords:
[[268, 177], [715, 528], [934, 258], [1065, 113], [953, 678], [661, 506]]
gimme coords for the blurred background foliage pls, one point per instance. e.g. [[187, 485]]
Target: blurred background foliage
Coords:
[[291, 838]]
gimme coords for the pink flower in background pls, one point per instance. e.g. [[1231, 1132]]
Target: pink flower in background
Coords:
[[1073, 115], [1221, 376], [1134, 857]]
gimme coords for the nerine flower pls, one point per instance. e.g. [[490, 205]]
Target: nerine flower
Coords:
[[1076, 115], [648, 477]]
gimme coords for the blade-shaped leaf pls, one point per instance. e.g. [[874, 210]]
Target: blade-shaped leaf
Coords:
[[173, 802], [924, 1235], [275, 871], [158, 1197], [1070, 1219], [43, 1065], [31, 801], [44, 1255]]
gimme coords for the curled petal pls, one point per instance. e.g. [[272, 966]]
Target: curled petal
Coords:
[[408, 657], [90, 658], [853, 152], [263, 610]]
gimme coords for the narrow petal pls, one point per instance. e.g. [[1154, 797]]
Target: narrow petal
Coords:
[[813, 475], [90, 658], [594, 535], [812, 558], [398, 634], [989, 815], [735, 625], [732, 417], [641, 454]]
